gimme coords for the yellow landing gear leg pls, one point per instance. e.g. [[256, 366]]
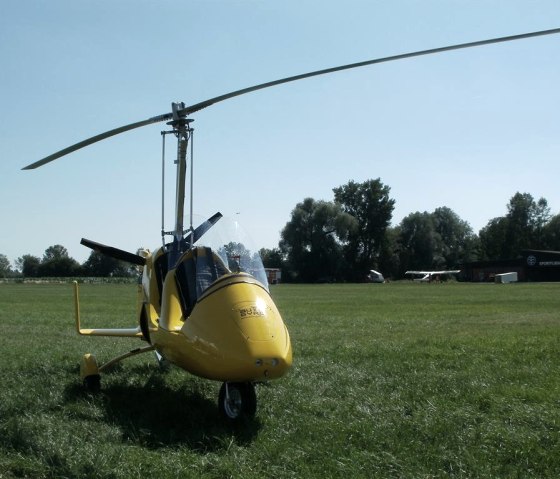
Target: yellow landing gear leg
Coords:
[[90, 372]]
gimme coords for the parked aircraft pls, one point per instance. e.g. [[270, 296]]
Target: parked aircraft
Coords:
[[429, 276], [375, 277], [208, 309]]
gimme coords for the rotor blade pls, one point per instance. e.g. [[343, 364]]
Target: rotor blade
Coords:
[[95, 139], [114, 252], [202, 229], [199, 106]]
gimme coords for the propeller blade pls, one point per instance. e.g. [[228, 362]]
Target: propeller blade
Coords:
[[202, 229], [114, 252], [182, 112], [199, 106]]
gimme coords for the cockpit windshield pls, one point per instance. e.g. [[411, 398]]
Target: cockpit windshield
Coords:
[[230, 242], [223, 249]]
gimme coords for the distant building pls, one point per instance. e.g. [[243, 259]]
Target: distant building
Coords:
[[273, 275], [532, 265]]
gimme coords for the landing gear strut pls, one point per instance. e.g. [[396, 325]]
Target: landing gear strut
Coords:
[[237, 401], [90, 371]]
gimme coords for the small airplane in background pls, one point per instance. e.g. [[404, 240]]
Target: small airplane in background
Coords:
[[429, 276]]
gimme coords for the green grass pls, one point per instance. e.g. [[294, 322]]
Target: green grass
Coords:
[[395, 380]]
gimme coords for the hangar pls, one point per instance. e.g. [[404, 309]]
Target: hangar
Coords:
[[531, 265]]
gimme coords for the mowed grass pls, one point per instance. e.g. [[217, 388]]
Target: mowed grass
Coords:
[[396, 380]]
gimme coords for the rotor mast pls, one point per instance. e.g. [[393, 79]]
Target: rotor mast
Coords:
[[183, 132]]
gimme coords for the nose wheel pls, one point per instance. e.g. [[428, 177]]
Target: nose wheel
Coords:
[[237, 401]]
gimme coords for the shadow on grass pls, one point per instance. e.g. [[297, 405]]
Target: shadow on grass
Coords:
[[155, 415]]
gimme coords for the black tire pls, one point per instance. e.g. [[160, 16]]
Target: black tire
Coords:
[[239, 403], [92, 383]]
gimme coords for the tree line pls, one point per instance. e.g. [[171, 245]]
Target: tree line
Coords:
[[343, 239], [56, 262]]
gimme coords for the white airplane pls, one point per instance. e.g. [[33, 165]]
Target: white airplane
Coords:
[[429, 276]]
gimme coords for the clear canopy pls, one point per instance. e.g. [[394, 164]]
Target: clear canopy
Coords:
[[224, 249], [230, 242]]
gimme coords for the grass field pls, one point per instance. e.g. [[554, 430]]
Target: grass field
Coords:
[[396, 380]]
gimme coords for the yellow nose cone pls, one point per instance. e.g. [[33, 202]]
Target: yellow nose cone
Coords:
[[235, 333]]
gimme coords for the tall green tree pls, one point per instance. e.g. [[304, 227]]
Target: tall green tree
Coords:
[[492, 239], [55, 252], [369, 202], [523, 227], [389, 257], [526, 219], [551, 234], [101, 265], [5, 267], [313, 240], [272, 258], [420, 244], [458, 242], [437, 240], [57, 262], [28, 265]]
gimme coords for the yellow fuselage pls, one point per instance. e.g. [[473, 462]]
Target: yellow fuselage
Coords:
[[233, 333]]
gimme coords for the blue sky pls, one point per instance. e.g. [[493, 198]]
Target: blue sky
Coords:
[[463, 129]]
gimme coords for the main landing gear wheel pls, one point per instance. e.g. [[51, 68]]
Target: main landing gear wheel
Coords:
[[237, 401]]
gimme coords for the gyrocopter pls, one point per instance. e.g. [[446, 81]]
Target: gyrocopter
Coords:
[[203, 308]]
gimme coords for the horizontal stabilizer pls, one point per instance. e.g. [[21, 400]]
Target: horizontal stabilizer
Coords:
[[114, 252]]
